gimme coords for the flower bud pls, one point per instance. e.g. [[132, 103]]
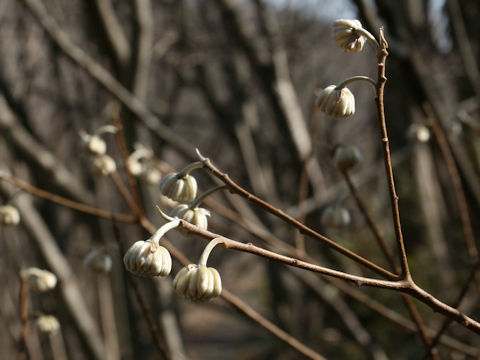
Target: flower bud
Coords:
[[94, 144], [196, 216], [198, 282], [335, 216], [9, 215], [346, 157], [103, 165], [47, 324], [147, 258], [182, 189], [39, 280], [418, 132], [336, 102], [346, 34], [99, 261]]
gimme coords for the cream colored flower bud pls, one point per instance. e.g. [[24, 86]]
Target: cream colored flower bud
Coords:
[[419, 133], [198, 282], [347, 36], [103, 165], [39, 280], [335, 216], [98, 261], [9, 215], [134, 166], [336, 102], [196, 216], [151, 175], [94, 144], [346, 157], [182, 189], [47, 324], [147, 258]]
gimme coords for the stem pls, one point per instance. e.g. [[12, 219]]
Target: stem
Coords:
[[199, 199], [371, 39], [163, 230], [105, 129], [382, 55], [447, 321], [66, 202], [125, 193], [208, 249], [23, 303], [357, 78], [186, 170], [368, 218]]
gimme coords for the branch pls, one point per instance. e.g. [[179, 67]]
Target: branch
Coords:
[[236, 189], [66, 202], [381, 80]]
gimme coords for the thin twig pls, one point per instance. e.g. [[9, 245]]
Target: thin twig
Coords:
[[447, 321], [236, 189], [23, 304], [457, 187], [368, 218], [381, 80], [406, 286], [282, 335], [66, 202]]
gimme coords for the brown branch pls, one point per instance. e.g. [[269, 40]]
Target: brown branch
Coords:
[[122, 188], [23, 305], [447, 321], [381, 80], [272, 328], [66, 202], [368, 218], [236, 189], [457, 186], [405, 286]]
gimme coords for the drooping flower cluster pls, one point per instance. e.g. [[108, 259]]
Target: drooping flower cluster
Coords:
[[197, 282], [348, 36], [148, 258], [140, 164], [346, 157], [99, 261], [39, 280], [336, 102], [9, 215], [47, 324], [335, 216], [102, 164]]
